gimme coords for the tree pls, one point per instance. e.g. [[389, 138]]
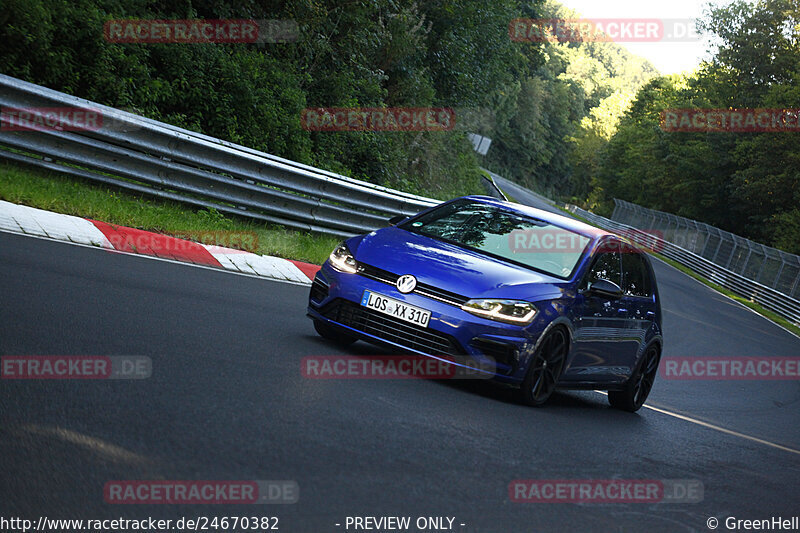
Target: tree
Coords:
[[748, 183]]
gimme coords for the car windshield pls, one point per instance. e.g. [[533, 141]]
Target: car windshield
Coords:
[[494, 231]]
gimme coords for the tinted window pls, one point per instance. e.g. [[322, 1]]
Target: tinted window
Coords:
[[607, 266], [636, 276], [505, 234]]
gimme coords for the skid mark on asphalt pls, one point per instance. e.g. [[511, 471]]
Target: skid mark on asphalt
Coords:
[[106, 450]]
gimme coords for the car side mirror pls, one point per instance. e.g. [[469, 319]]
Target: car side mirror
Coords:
[[605, 289], [395, 220]]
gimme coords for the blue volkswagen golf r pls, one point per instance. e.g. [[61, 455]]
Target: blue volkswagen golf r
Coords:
[[531, 298]]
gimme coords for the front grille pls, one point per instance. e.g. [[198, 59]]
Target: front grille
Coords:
[[392, 329], [429, 291], [319, 291], [504, 354], [378, 274]]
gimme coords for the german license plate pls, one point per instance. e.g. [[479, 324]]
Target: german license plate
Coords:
[[396, 308]]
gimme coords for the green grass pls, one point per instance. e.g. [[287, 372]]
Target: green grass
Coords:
[[54, 192], [508, 196], [573, 215]]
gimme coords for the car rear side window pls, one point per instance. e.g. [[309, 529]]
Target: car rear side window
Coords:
[[636, 275], [607, 265]]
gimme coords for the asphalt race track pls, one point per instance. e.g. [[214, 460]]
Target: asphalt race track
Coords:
[[523, 195], [227, 401]]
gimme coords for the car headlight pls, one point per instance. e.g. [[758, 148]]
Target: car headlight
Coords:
[[511, 311], [342, 260]]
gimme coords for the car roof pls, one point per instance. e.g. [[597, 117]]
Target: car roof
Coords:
[[560, 221]]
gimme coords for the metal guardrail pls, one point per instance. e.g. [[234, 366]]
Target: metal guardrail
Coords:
[[150, 157], [768, 266], [770, 298]]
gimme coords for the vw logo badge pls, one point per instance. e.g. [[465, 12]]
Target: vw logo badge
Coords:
[[406, 283]]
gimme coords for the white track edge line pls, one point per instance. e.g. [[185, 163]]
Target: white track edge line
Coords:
[[715, 427]]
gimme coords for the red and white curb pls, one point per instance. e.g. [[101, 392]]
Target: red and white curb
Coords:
[[38, 222]]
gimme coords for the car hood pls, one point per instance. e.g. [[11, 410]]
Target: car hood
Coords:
[[452, 268]]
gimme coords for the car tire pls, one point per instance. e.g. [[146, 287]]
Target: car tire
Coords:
[[639, 385], [332, 334], [545, 369]]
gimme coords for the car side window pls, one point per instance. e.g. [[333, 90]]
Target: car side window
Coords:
[[635, 274], [606, 266]]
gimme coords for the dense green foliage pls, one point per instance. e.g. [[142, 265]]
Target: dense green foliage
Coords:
[[552, 123], [451, 53], [575, 120], [748, 183], [62, 194], [531, 98]]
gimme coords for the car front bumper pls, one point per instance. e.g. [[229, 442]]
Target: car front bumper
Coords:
[[492, 348]]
